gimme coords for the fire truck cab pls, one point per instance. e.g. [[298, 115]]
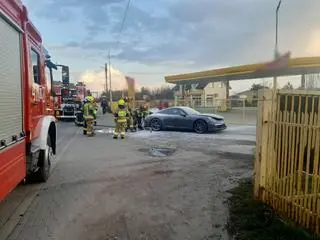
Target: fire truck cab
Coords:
[[27, 127], [68, 106]]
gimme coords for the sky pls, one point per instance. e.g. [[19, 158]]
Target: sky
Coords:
[[165, 37]]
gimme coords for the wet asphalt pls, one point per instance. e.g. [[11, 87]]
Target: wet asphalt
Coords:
[[152, 185]]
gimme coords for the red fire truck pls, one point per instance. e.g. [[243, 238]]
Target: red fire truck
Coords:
[[67, 99], [27, 127], [57, 98]]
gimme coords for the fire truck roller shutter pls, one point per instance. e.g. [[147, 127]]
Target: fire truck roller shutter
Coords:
[[11, 107]]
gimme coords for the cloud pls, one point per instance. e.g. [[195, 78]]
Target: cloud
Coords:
[[94, 15], [217, 32], [203, 32], [96, 80], [176, 35]]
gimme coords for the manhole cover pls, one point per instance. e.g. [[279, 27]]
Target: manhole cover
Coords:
[[161, 152]]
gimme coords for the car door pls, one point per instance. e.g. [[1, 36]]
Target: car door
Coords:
[[181, 120], [168, 118]]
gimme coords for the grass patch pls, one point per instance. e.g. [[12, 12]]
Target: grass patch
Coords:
[[253, 220]]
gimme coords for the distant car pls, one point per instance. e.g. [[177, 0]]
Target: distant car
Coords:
[[185, 118]]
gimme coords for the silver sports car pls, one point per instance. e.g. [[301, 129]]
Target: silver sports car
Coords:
[[184, 118]]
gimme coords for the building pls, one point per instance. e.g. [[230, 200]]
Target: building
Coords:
[[248, 97], [248, 94], [211, 94]]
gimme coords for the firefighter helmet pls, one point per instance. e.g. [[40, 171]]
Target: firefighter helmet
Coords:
[[121, 102], [90, 99]]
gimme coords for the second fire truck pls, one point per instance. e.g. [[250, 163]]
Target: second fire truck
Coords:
[[68, 97]]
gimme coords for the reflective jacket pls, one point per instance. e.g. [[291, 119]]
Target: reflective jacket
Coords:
[[88, 110], [121, 116]]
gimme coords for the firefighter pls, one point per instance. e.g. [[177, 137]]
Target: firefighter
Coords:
[[88, 113], [130, 114], [120, 118], [95, 110], [104, 105], [84, 120], [138, 117], [79, 112], [145, 112]]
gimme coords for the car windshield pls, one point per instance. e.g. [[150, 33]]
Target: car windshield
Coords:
[[190, 111]]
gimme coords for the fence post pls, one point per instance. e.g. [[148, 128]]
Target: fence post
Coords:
[[263, 149], [257, 156]]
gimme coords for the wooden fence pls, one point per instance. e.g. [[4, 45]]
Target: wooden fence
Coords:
[[287, 156]]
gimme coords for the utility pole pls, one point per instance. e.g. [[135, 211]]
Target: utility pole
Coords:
[[106, 73], [110, 89]]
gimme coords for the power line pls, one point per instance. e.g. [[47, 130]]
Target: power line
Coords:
[[117, 42], [122, 25], [124, 17], [123, 20]]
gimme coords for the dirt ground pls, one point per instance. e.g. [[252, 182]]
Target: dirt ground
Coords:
[[130, 189], [181, 196]]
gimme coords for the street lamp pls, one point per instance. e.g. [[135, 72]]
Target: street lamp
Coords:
[[276, 52]]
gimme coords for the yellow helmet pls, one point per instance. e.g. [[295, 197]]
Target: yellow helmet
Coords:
[[121, 102], [90, 99]]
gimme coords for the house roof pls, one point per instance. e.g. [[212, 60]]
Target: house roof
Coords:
[[242, 93], [200, 85], [248, 91]]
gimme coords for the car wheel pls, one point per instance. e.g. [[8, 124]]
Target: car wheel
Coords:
[[43, 172], [155, 124], [200, 126]]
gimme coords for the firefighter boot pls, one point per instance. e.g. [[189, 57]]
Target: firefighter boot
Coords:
[[84, 127], [90, 129], [122, 128], [116, 131]]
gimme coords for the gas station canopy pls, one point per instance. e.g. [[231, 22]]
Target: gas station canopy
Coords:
[[294, 66]]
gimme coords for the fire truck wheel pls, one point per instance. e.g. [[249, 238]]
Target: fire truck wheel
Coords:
[[43, 173]]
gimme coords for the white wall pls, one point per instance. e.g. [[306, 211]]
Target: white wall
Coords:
[[218, 90]]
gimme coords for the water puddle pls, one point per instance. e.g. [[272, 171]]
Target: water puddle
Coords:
[[105, 130], [168, 171]]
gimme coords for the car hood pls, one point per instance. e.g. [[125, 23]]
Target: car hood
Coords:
[[212, 115], [154, 110]]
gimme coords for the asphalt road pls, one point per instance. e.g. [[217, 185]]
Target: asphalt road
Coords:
[[102, 188]]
